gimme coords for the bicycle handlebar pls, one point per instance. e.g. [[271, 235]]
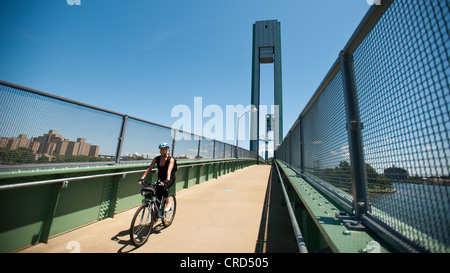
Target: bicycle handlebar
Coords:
[[143, 183]]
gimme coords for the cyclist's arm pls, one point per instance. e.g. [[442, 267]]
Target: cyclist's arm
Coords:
[[170, 168], [150, 168]]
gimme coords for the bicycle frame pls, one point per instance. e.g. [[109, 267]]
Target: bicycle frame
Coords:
[[143, 221], [152, 203]]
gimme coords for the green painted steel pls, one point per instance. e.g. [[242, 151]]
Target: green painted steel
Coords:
[[34, 213], [321, 230]]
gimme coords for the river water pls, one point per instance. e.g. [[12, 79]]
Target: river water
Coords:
[[425, 208]]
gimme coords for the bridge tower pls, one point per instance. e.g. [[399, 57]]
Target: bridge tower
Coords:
[[266, 49]]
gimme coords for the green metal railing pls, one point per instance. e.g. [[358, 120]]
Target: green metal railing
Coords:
[[374, 138], [65, 164], [297, 231], [38, 204]]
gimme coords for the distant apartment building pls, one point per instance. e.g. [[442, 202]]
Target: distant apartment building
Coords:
[[51, 144], [80, 147], [15, 142]]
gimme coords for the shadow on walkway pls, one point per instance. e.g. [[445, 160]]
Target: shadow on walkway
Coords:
[[123, 238], [275, 233]]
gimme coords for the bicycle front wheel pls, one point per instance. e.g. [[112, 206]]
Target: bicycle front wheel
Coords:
[[167, 219], [141, 225]]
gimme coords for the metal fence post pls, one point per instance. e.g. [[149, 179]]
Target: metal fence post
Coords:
[[198, 150], [354, 127], [121, 138], [173, 142], [302, 146], [290, 148], [50, 216]]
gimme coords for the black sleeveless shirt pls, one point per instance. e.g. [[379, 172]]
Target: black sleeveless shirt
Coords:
[[162, 170]]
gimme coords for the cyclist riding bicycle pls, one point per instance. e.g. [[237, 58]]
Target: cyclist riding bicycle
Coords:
[[166, 173]]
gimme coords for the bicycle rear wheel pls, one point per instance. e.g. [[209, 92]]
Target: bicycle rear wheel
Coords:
[[168, 217], [141, 225]]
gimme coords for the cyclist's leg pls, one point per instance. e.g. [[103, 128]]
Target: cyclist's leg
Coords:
[[160, 192], [166, 193]]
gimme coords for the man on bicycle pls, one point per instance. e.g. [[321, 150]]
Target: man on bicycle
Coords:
[[166, 173]]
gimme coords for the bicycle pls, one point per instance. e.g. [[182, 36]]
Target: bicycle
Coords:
[[149, 212]]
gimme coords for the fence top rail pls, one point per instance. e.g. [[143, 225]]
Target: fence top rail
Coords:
[[330, 75], [17, 86], [366, 25], [64, 169], [368, 22]]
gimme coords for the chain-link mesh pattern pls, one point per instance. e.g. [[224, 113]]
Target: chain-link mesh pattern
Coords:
[[295, 155], [38, 130], [401, 71], [326, 150], [142, 139], [402, 75]]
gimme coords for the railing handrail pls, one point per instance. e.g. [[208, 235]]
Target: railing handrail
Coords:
[[64, 180], [366, 25], [298, 234]]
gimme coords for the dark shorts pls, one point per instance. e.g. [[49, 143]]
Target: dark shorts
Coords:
[[164, 190]]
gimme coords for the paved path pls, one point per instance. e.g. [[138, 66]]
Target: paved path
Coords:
[[228, 214]]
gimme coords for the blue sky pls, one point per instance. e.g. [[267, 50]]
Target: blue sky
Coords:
[[141, 58]]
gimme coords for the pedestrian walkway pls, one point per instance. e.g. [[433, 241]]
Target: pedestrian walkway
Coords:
[[231, 214]]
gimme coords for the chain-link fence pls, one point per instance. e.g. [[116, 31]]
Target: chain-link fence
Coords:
[[40, 130], [392, 111]]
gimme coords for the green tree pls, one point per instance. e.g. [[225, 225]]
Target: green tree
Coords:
[[376, 181], [16, 156]]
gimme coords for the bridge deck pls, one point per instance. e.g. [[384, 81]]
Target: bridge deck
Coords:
[[238, 212]]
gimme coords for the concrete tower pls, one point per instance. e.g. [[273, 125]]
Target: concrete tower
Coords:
[[266, 49]]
